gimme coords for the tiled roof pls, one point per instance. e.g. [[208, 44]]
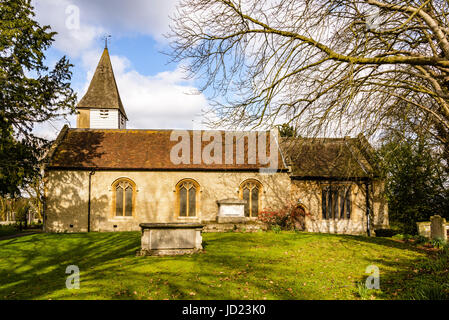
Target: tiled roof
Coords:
[[132, 149], [328, 157], [117, 149], [103, 92]]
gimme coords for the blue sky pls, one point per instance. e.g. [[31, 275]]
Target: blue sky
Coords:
[[155, 93]]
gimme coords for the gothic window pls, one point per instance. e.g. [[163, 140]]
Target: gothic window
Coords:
[[124, 198], [187, 193], [250, 190], [336, 202]]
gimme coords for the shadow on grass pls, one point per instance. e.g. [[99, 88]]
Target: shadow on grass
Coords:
[[233, 266], [401, 284], [44, 258]]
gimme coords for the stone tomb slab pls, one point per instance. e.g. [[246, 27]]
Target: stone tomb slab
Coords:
[[170, 238]]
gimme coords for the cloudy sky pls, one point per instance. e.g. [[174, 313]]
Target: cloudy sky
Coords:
[[154, 92]]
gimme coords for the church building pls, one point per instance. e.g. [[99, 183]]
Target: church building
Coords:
[[101, 176]]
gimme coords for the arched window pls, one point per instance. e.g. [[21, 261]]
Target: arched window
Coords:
[[251, 190], [187, 193], [124, 191]]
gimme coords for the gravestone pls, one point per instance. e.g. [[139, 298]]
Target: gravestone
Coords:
[[438, 228], [424, 228]]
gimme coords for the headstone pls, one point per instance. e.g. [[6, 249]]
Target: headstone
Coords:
[[438, 228], [424, 228]]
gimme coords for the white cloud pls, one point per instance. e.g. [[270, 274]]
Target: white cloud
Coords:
[[50, 129], [100, 17], [70, 38], [150, 17], [164, 100]]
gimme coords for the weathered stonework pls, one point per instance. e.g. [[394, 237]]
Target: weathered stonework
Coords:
[[67, 201], [424, 228], [438, 228], [170, 238], [231, 211], [83, 119], [309, 193], [67, 197], [247, 226]]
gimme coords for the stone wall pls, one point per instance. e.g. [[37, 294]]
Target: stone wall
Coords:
[[66, 204], [67, 197], [310, 193]]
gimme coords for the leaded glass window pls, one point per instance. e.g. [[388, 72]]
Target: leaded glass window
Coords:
[[250, 191], [124, 198], [336, 202], [187, 198]]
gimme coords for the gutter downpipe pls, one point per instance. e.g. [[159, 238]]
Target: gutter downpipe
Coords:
[[368, 210], [88, 203]]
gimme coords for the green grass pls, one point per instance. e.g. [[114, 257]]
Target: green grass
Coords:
[[262, 265]]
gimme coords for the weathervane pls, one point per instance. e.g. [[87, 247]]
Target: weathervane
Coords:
[[105, 38]]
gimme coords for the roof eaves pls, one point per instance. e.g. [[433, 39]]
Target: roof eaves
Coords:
[[49, 157]]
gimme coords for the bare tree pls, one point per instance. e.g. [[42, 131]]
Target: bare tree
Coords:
[[35, 192], [325, 66]]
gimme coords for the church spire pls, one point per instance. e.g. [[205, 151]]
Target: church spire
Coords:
[[103, 91]]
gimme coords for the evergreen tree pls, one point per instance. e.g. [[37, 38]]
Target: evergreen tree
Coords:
[[416, 182], [286, 130], [30, 93]]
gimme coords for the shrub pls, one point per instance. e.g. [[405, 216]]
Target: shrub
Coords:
[[290, 217], [438, 263], [435, 291], [419, 239], [405, 237], [398, 236], [363, 291], [276, 229], [22, 215], [446, 248], [6, 230], [385, 232], [438, 243]]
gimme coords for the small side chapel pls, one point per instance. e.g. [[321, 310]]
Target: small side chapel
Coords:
[[101, 176]]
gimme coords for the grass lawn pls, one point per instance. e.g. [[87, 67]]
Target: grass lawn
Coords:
[[262, 265]]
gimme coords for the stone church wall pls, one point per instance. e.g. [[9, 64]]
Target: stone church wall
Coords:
[[155, 201], [310, 195]]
